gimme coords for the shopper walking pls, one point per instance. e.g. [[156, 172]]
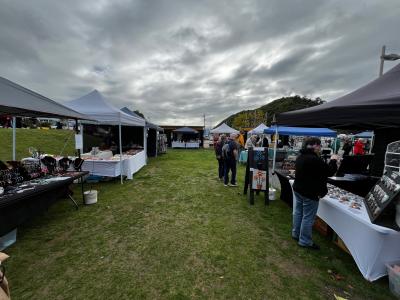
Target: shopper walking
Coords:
[[309, 186], [218, 154]]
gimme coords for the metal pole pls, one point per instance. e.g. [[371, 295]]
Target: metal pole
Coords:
[[120, 150], [14, 129], [145, 142], [382, 60], [372, 143], [275, 146]]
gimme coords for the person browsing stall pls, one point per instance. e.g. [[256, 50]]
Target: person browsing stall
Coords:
[[230, 155], [309, 186]]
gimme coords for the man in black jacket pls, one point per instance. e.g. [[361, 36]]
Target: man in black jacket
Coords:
[[309, 186]]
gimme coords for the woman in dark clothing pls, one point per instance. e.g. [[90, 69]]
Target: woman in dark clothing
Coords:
[[309, 186], [347, 146]]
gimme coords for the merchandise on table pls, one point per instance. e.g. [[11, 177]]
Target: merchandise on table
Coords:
[[352, 200]]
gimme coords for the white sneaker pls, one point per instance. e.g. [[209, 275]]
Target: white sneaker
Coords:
[[234, 184]]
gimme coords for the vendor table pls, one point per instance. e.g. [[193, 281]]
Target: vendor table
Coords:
[[129, 165], [17, 208], [370, 245], [178, 144], [192, 145]]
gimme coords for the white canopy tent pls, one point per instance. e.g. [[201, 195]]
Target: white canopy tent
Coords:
[[96, 106], [223, 128], [259, 129]]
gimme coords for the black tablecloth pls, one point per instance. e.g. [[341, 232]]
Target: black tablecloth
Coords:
[[17, 208]]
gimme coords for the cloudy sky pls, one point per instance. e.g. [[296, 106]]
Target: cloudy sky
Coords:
[[175, 60]]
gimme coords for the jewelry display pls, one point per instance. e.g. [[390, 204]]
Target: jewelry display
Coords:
[[385, 190]]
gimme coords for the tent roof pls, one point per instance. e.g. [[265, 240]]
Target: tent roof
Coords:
[[365, 134], [148, 124], [301, 131], [97, 107], [185, 130], [259, 129], [19, 101], [374, 105], [223, 128]]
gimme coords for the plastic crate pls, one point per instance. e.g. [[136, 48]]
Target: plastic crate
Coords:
[[93, 179], [8, 239], [394, 278]]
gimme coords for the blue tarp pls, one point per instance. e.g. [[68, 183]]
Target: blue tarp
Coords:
[[301, 131], [365, 135]]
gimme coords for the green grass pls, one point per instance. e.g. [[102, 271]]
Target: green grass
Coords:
[[175, 232], [47, 141]]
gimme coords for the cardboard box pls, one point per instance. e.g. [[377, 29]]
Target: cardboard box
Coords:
[[339, 242], [4, 290], [322, 227]]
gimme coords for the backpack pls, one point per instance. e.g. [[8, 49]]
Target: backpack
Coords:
[[227, 151]]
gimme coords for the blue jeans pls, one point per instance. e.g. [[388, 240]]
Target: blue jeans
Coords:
[[229, 164], [303, 219]]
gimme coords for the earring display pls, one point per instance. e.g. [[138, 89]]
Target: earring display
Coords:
[[382, 194]]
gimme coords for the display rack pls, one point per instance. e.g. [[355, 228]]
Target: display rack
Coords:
[[392, 156], [381, 199]]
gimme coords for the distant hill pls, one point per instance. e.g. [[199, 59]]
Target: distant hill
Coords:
[[252, 118]]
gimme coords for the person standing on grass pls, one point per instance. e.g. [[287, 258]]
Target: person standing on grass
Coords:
[[309, 186], [359, 147], [230, 155], [218, 155], [347, 146]]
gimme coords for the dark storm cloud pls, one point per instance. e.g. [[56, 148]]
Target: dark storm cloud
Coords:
[[175, 60]]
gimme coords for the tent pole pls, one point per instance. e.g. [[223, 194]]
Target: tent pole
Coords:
[[14, 126], [145, 142], [372, 143], [120, 150], [275, 146]]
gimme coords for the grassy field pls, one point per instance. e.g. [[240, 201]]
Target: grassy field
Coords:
[[175, 232], [47, 141]]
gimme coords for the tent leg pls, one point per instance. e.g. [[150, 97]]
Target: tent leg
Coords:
[[120, 151], [14, 129]]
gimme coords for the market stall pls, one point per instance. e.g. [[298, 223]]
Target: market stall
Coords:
[[259, 129], [153, 132], [186, 137], [296, 131], [115, 129], [224, 129], [375, 106], [28, 189], [371, 245]]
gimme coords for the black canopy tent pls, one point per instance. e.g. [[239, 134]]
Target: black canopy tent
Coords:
[[186, 133], [375, 106]]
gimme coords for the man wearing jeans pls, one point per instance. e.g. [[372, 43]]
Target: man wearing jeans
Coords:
[[309, 186]]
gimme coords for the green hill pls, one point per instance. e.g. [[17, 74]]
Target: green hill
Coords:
[[252, 118]]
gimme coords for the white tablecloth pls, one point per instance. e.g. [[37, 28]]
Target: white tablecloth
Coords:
[[370, 245], [112, 168], [192, 145], [178, 145]]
